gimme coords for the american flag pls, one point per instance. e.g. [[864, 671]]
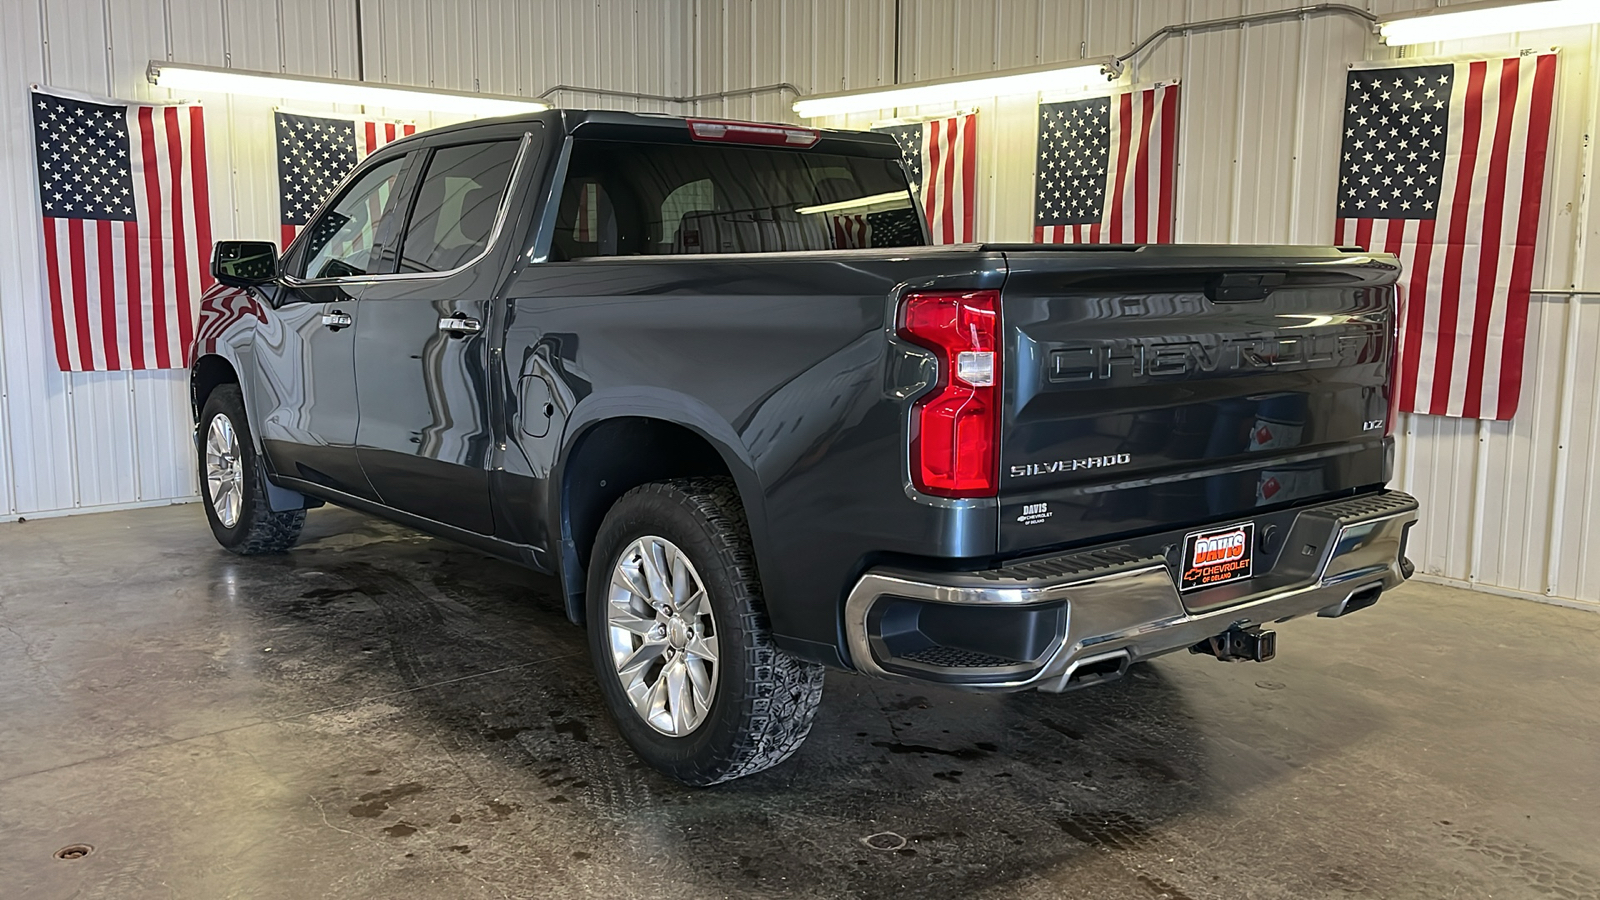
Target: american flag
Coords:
[[1444, 166], [1105, 169], [127, 229], [851, 232], [887, 228], [315, 154], [588, 213], [941, 160]]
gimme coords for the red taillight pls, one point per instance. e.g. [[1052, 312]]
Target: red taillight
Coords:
[[955, 430], [752, 133], [1394, 360]]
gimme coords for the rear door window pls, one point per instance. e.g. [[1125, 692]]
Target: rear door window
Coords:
[[457, 205], [639, 199]]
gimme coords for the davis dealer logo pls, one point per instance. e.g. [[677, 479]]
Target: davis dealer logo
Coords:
[[1216, 557], [1214, 550], [1034, 513]]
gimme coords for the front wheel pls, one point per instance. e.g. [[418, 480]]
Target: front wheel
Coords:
[[681, 641], [230, 481]]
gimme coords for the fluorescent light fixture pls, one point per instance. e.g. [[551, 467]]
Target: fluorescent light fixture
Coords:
[[996, 84], [1475, 20], [869, 200], [332, 90]]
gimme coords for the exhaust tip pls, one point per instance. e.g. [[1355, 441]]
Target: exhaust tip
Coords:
[[1096, 671], [1357, 600]]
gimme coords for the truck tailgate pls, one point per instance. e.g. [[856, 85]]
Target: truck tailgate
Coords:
[[1153, 386]]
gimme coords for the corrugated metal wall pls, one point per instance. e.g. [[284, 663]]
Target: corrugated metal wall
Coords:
[[96, 441], [1508, 506]]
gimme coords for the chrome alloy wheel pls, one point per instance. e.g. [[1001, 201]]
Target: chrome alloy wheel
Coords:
[[224, 471], [662, 635]]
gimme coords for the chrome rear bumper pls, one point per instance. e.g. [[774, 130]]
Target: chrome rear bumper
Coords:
[[1078, 618]]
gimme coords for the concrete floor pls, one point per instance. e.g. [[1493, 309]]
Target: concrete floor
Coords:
[[380, 714]]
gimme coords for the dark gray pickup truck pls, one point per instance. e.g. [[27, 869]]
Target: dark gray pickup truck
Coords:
[[710, 375]]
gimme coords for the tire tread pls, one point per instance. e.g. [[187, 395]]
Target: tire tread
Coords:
[[780, 693], [265, 531]]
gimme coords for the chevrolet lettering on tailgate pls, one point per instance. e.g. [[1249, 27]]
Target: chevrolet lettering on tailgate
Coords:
[[1155, 358]]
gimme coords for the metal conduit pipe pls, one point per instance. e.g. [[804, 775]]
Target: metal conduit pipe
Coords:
[[1117, 62], [693, 98], [1248, 19]]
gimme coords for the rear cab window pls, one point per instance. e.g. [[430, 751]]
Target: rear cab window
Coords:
[[640, 199]]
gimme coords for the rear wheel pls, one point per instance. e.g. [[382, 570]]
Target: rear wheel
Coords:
[[230, 481], [681, 641]]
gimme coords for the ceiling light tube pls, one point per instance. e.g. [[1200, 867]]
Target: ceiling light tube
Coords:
[[211, 79], [947, 90], [900, 197], [1476, 20]]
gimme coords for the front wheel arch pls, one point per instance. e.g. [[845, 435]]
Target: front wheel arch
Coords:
[[206, 374]]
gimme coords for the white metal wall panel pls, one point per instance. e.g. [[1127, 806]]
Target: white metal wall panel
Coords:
[[1508, 506], [102, 440], [819, 45], [1515, 502]]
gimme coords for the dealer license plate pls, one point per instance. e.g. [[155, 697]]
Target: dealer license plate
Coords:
[[1217, 556]]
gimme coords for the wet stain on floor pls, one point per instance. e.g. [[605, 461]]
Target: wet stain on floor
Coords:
[[373, 804], [426, 725], [574, 729], [967, 753]]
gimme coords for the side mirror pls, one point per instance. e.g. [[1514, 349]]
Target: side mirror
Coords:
[[245, 263]]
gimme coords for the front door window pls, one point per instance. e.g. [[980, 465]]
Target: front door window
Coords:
[[341, 241]]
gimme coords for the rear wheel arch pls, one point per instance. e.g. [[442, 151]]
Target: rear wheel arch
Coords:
[[607, 457]]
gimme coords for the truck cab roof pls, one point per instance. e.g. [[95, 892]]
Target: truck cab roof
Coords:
[[616, 125]]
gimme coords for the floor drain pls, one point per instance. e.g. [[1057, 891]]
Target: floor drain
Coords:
[[887, 841], [74, 851]]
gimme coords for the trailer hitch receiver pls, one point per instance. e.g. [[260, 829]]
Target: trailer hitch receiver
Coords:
[[1238, 644]]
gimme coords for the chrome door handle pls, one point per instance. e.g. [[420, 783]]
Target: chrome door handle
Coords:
[[336, 320], [459, 325]]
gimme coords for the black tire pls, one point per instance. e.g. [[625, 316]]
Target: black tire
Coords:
[[258, 529], [765, 699]]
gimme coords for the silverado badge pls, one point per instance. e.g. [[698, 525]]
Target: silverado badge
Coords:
[[1056, 466]]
